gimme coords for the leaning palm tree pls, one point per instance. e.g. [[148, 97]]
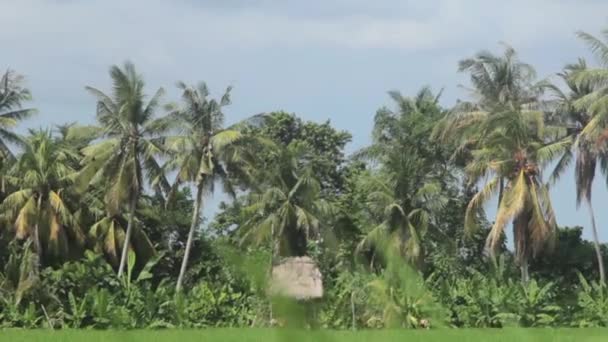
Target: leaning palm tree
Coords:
[[131, 139], [203, 152], [40, 206], [586, 154]]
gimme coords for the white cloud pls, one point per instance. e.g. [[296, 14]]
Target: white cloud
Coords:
[[105, 26], [65, 44]]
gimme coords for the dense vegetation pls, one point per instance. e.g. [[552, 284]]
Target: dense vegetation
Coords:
[[101, 226]]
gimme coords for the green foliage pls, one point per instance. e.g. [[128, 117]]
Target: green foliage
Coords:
[[87, 293], [592, 304], [412, 180], [325, 145], [397, 230], [475, 300], [571, 255]]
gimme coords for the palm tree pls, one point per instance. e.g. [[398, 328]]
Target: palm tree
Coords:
[[132, 138], [505, 138], [40, 206], [593, 136], [106, 232], [12, 96], [286, 209], [499, 83], [203, 153], [405, 190], [516, 154], [587, 154], [499, 80]]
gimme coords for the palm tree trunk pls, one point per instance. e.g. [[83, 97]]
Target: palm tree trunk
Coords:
[[501, 190], [352, 309], [195, 219], [520, 235], [596, 243], [273, 249], [525, 274], [37, 242], [125, 245]]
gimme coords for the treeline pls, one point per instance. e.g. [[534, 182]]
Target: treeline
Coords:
[[101, 226]]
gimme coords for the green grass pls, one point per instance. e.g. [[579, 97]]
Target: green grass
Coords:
[[268, 335]]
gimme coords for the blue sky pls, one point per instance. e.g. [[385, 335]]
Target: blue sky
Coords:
[[322, 59]]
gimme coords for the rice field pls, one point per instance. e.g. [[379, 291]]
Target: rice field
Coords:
[[271, 335]]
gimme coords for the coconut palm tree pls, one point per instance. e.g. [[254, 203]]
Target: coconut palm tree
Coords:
[[106, 232], [286, 209], [12, 96], [40, 207], [405, 189], [586, 154], [499, 83], [514, 151], [131, 139], [505, 139], [203, 153], [593, 136], [404, 221], [499, 80]]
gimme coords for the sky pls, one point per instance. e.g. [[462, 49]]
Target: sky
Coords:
[[320, 59]]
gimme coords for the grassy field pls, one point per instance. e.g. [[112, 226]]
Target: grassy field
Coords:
[[267, 335]]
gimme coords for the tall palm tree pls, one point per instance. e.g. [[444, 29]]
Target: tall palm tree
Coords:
[[593, 135], [499, 80], [132, 138], [405, 189], [499, 83], [587, 154], [40, 206], [515, 154], [203, 152], [12, 96], [505, 138]]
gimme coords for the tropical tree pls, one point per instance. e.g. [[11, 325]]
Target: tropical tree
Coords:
[[326, 143], [498, 83], [106, 231], [40, 207], [513, 155], [12, 96], [593, 136], [506, 141], [286, 210], [406, 187], [125, 156], [587, 154], [203, 153]]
